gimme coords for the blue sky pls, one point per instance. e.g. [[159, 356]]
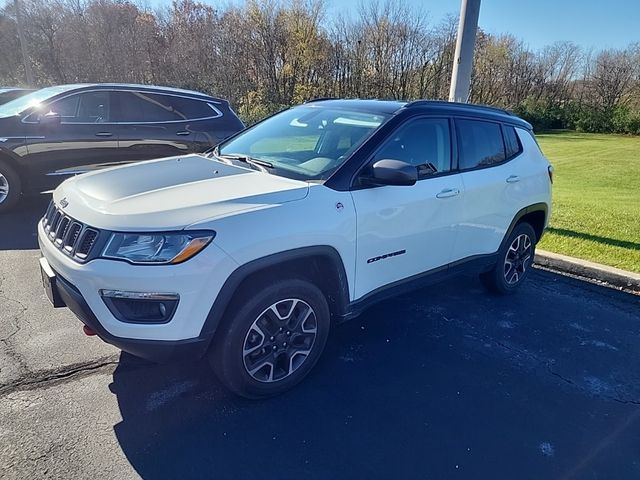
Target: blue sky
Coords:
[[589, 23]]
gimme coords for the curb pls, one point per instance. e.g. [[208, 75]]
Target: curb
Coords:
[[583, 268]]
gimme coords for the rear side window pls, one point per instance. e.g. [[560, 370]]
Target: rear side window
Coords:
[[150, 107], [140, 107], [511, 141], [480, 143]]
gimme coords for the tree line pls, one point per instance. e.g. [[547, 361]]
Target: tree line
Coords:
[[264, 55]]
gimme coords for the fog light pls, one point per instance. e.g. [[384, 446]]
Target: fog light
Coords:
[[140, 307]]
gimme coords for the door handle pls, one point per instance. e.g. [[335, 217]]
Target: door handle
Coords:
[[183, 132], [448, 192], [513, 179], [104, 134]]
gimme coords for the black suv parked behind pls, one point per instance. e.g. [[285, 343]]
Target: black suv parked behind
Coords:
[[53, 133], [11, 93]]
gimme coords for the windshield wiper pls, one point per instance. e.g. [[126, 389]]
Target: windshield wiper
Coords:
[[247, 159]]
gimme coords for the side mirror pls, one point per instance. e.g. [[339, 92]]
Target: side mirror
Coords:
[[392, 172], [49, 119]]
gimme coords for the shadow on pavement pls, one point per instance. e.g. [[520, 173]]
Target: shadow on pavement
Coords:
[[18, 228], [447, 382]]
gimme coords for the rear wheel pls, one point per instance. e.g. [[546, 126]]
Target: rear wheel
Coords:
[[271, 339], [514, 261], [10, 187]]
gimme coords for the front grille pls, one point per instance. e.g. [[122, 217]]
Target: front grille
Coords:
[[67, 234]]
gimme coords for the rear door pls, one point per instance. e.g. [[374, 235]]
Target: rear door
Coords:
[[407, 230], [84, 138], [154, 125], [491, 172]]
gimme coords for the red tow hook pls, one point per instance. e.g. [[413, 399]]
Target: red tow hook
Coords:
[[88, 332]]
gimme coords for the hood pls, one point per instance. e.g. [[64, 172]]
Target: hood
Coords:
[[171, 193]]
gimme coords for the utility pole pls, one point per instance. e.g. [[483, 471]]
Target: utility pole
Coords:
[[465, 44], [23, 45]]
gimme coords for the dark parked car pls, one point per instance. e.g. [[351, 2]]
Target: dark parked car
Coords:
[[53, 133], [11, 93]]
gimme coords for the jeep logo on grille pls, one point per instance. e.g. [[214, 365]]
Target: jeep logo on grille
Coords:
[[64, 203]]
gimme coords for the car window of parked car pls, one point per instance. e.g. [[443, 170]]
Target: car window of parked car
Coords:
[[67, 107], [151, 107], [185, 108], [425, 143], [33, 99], [142, 107], [511, 141], [480, 143], [88, 107]]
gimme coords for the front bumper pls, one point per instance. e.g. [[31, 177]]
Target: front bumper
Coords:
[[197, 282], [154, 350]]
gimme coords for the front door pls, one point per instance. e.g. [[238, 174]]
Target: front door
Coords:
[[407, 230], [85, 137]]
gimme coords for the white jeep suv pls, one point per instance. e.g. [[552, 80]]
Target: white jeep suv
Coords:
[[249, 253]]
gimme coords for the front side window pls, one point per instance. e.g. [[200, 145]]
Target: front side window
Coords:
[[425, 143], [67, 107], [89, 107], [480, 144], [307, 143]]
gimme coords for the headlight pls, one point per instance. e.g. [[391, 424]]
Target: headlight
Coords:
[[156, 248]]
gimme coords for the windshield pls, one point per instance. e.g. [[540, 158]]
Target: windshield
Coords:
[[306, 143], [19, 105]]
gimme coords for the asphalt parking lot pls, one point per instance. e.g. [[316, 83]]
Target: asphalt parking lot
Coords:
[[447, 382]]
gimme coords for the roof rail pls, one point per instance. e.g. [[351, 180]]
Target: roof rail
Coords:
[[424, 103], [320, 99]]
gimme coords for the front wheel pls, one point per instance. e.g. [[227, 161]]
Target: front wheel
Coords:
[[514, 261], [10, 187], [272, 338]]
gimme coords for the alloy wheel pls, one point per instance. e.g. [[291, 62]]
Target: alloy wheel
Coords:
[[279, 340], [517, 259], [4, 188]]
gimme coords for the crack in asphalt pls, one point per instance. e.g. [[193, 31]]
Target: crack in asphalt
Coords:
[[14, 319], [547, 364], [64, 374]]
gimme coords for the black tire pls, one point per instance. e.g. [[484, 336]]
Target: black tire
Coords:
[[507, 278], [10, 187], [240, 347]]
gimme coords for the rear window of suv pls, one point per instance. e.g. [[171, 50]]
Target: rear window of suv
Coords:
[[511, 141]]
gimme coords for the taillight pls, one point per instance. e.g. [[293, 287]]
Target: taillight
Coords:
[[550, 170]]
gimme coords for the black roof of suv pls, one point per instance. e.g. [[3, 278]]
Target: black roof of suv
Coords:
[[434, 107]]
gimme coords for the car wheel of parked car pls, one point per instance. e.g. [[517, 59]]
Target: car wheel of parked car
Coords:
[[514, 261], [271, 339], [10, 187]]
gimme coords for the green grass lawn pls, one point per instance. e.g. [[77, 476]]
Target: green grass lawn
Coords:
[[596, 197]]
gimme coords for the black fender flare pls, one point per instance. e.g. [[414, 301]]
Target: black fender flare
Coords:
[[230, 286], [536, 207]]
